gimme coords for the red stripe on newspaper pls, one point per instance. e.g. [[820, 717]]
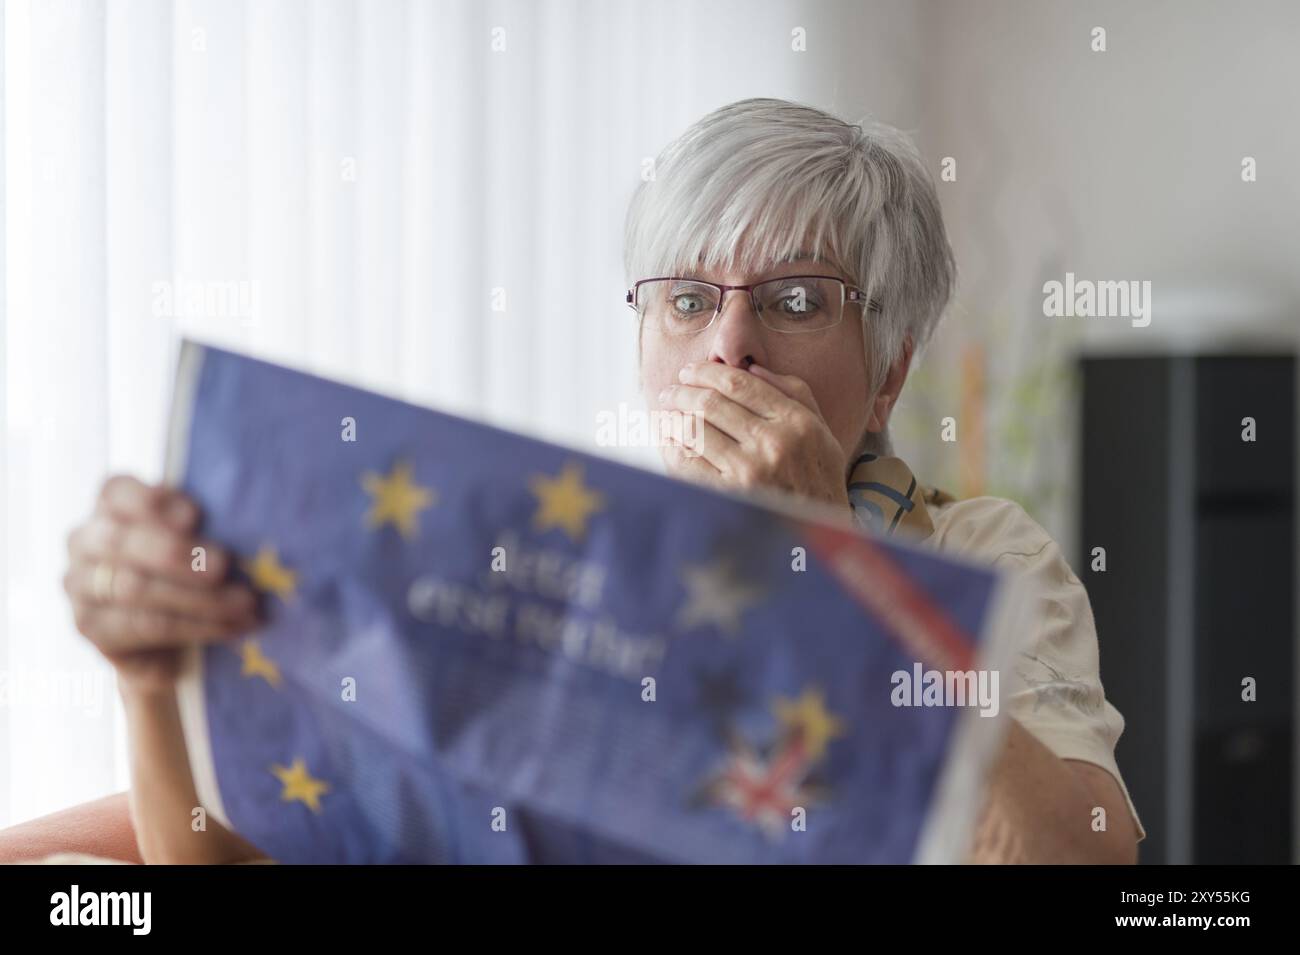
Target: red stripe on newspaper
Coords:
[[888, 594]]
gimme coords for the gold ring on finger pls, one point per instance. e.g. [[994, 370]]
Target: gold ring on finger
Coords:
[[101, 581]]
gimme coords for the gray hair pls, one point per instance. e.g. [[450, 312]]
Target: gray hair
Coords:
[[763, 181]]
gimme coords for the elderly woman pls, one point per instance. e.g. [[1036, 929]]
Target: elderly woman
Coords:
[[785, 267]]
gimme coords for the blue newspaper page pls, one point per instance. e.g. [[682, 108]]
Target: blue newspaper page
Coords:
[[483, 648]]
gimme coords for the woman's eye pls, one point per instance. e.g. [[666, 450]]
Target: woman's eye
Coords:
[[689, 304]]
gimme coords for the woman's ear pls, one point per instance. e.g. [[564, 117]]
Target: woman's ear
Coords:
[[883, 403]]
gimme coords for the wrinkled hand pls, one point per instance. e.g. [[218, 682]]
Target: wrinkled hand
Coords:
[[753, 429], [133, 589]]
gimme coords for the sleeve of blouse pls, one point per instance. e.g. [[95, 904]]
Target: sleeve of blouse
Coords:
[[1055, 691]]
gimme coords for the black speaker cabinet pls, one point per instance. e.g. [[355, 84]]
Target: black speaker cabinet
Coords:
[[1198, 598]]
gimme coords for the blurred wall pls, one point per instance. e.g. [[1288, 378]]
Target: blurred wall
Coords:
[[1115, 165]]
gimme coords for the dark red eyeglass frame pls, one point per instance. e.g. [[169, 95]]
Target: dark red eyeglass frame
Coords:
[[851, 292]]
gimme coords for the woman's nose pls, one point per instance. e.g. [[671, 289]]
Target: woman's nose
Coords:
[[737, 333]]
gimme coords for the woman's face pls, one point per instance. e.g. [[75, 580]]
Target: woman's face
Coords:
[[831, 361]]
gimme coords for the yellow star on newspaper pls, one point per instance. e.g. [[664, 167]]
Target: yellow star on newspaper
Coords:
[[398, 500], [257, 664], [564, 501], [807, 718], [299, 786], [715, 595], [269, 574]]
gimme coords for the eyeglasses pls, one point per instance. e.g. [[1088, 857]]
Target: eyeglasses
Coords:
[[791, 304]]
